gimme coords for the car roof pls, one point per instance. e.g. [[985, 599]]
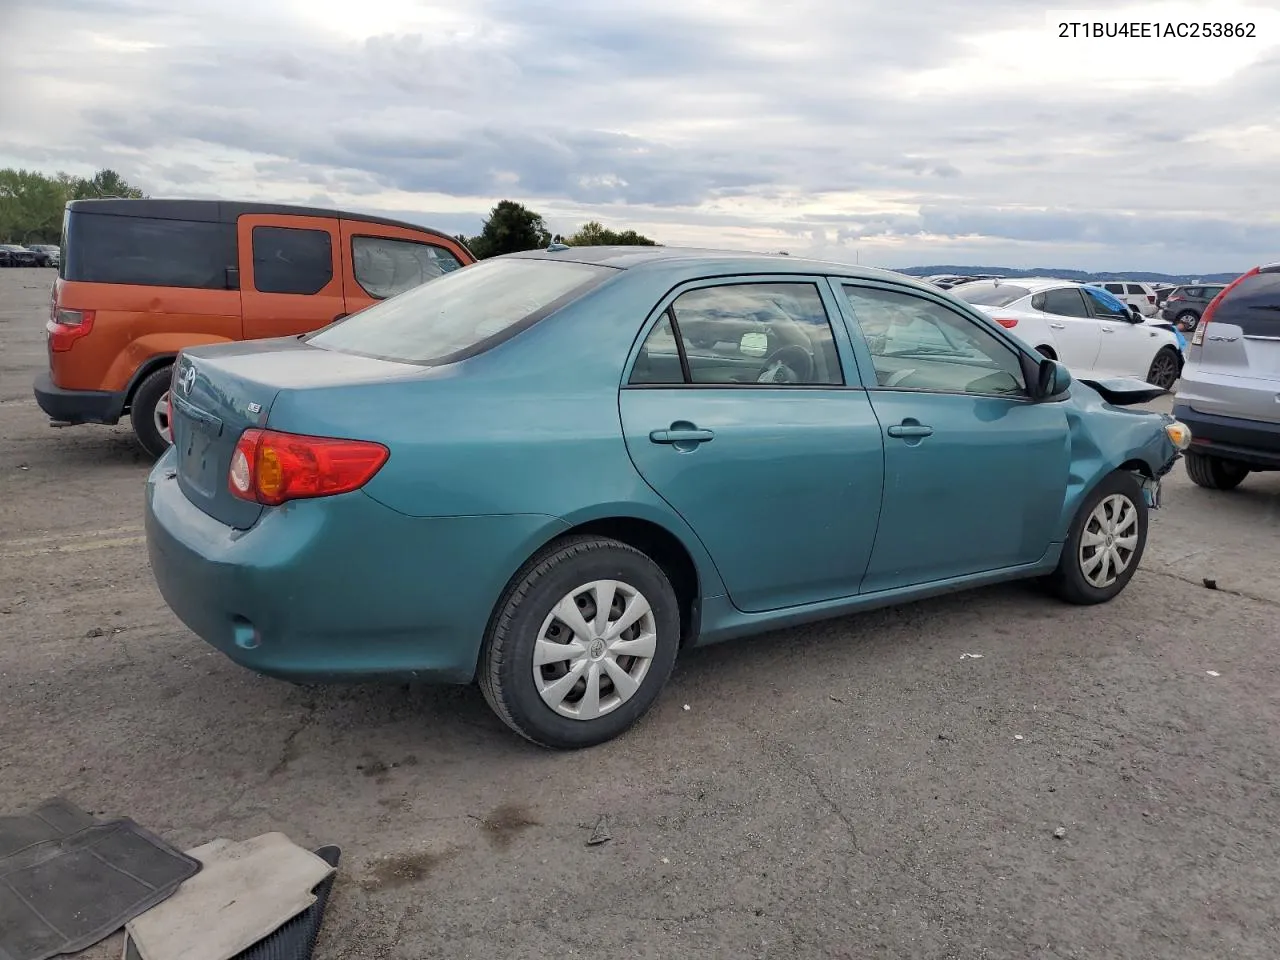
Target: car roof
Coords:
[[733, 261], [225, 211]]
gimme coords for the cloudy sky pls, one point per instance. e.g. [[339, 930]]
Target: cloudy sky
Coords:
[[893, 133]]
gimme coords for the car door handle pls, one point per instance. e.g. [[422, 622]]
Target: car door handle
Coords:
[[904, 430], [1108, 329], [1058, 326], [681, 435]]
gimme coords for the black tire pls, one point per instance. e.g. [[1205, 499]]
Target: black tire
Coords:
[[1068, 581], [142, 411], [1186, 320], [1047, 352], [1214, 473], [1165, 369], [506, 659]]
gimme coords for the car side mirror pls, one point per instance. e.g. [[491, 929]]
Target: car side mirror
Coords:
[[1047, 380], [1135, 315]]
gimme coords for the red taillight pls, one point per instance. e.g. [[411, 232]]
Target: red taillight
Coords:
[[1151, 298], [1007, 322], [67, 326], [1206, 318], [270, 467]]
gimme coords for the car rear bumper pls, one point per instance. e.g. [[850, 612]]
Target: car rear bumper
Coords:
[[1254, 443], [77, 406], [336, 589]]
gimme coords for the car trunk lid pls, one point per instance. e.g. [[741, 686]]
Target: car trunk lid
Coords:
[[219, 392]]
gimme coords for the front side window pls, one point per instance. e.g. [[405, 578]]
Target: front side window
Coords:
[[291, 260], [463, 312], [917, 344], [385, 267], [744, 333], [1105, 306]]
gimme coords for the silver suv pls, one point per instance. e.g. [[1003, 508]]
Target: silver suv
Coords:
[[1229, 394]]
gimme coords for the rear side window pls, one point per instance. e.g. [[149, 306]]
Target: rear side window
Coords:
[[102, 248], [1253, 306], [990, 294], [1134, 288], [1065, 302], [1116, 288], [385, 267], [291, 260], [462, 313]]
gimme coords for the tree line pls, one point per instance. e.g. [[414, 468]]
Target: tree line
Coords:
[[512, 227], [31, 206], [31, 203]]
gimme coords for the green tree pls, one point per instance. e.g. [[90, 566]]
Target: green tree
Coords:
[[510, 228], [596, 234], [31, 203]]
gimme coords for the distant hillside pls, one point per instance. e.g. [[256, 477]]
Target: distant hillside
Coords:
[[1080, 275]]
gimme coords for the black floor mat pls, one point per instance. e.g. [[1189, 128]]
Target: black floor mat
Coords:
[[63, 895], [296, 939], [52, 820]]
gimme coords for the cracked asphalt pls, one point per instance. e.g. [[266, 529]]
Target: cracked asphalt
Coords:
[[858, 788]]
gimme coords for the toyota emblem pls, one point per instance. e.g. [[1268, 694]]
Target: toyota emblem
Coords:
[[186, 380]]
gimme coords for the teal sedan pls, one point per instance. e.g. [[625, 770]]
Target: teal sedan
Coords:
[[550, 472]]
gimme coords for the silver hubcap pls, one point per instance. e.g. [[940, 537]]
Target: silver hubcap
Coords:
[[594, 649], [161, 417], [1109, 541]]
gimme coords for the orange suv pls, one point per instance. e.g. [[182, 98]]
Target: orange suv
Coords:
[[140, 280]]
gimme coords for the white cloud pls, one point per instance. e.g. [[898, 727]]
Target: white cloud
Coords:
[[907, 133]]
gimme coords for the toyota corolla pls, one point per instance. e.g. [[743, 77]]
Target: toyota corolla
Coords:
[[548, 473]]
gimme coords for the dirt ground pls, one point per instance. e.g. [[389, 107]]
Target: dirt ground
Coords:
[[852, 789]]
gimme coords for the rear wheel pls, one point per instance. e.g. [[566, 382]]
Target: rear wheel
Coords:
[[149, 412], [581, 643], [1214, 473], [1165, 369], [1186, 320], [1105, 543]]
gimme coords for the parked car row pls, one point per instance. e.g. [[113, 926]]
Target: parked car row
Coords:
[[32, 255]]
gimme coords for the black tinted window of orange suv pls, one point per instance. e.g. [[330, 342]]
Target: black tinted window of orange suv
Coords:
[[103, 248], [1253, 306]]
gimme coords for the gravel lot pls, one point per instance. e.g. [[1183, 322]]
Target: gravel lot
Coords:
[[852, 789]]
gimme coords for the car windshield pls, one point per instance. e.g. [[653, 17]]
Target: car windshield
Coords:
[[462, 313], [983, 294]]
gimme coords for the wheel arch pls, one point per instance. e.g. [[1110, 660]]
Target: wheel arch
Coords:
[[686, 565], [144, 371]]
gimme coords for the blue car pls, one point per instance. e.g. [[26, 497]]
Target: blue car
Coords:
[[550, 472]]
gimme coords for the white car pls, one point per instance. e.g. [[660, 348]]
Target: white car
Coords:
[[1140, 295], [1080, 325]]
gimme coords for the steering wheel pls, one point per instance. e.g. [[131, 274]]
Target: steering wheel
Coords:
[[789, 364]]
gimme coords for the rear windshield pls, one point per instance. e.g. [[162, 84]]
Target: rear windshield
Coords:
[[990, 294], [1253, 306], [102, 248], [462, 313]]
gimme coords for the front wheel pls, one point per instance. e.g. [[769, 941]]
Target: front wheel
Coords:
[[580, 643], [1105, 543], [149, 412], [1165, 369]]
